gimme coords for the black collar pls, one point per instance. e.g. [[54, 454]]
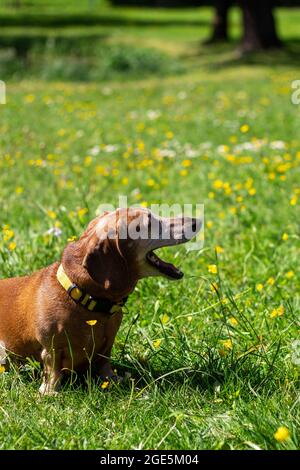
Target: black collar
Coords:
[[90, 303]]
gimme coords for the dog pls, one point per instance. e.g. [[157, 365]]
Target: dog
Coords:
[[67, 315]]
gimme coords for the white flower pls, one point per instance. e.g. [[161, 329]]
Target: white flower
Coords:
[[182, 95], [110, 148], [55, 231], [278, 145], [153, 114], [168, 153], [136, 192], [95, 150]]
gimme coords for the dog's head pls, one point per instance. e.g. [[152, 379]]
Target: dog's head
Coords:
[[118, 247]]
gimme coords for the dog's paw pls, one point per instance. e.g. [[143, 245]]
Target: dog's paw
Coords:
[[47, 390]]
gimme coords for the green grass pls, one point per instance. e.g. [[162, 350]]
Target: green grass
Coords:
[[211, 370]]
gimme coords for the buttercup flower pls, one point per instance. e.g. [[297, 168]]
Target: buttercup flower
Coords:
[[91, 322], [277, 312], [244, 128], [156, 343], [105, 384], [212, 268], [233, 321], [282, 434]]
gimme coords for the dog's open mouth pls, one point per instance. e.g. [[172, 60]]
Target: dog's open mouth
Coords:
[[167, 269]]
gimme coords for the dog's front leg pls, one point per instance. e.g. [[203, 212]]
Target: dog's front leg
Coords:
[[52, 372], [103, 362]]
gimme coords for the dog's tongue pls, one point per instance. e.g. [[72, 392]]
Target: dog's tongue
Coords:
[[168, 269]]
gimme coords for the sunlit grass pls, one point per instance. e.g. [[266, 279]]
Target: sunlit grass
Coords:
[[213, 359]]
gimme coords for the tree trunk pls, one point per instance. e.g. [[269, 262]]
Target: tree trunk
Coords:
[[259, 25], [220, 22]]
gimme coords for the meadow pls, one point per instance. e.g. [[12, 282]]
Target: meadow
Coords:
[[213, 359]]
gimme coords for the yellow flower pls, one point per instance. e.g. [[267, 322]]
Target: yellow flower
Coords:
[[249, 183], [294, 200], [183, 172], [271, 176], [165, 319], [271, 281], [282, 434], [227, 188], [105, 384], [290, 274], [277, 312], [72, 239], [186, 163], [8, 234], [212, 268], [150, 182], [227, 343], [88, 160], [244, 128], [259, 287], [81, 212], [125, 180], [91, 322], [252, 191], [51, 214], [218, 184], [101, 170], [233, 321], [140, 126], [169, 135], [12, 246], [2, 369], [219, 249], [209, 224], [285, 237], [156, 343], [29, 98], [19, 190], [214, 287]]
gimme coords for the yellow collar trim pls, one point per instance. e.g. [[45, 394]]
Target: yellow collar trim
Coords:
[[74, 291], [86, 300]]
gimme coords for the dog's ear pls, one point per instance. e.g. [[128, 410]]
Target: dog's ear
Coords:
[[105, 264]]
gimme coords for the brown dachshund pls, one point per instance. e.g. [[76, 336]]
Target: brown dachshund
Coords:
[[50, 315]]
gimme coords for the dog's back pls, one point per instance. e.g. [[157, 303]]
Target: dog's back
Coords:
[[17, 314]]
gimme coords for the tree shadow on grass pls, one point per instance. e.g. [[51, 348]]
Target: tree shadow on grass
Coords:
[[223, 57], [103, 19]]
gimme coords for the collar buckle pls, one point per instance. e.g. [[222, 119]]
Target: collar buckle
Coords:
[[75, 293]]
